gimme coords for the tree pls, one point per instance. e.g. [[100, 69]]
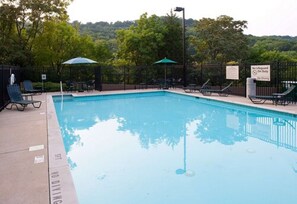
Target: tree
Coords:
[[220, 40], [61, 41], [173, 44], [139, 44], [102, 52], [26, 17], [272, 48], [58, 42], [9, 49], [271, 56]]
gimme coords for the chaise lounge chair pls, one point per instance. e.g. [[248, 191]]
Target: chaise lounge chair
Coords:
[[276, 98], [28, 87], [16, 98], [192, 87], [221, 92]]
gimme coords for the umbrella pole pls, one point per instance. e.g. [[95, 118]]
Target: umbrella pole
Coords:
[[165, 78], [61, 87]]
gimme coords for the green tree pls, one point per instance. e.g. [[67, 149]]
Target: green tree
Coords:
[[58, 42], [139, 44], [102, 52], [26, 18], [173, 44], [61, 41], [274, 43], [10, 51], [220, 40]]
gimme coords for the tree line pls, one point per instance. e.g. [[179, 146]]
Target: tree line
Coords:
[[38, 33]]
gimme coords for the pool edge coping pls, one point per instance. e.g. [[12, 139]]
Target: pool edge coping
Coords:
[[273, 108], [61, 186]]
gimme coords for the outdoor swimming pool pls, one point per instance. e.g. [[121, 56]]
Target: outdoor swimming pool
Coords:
[[161, 147]]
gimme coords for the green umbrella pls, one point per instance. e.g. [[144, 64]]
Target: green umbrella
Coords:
[[165, 61]]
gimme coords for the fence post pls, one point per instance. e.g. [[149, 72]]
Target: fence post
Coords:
[[222, 75], [2, 89], [98, 78], [125, 78], [277, 76], [201, 72], [243, 78]]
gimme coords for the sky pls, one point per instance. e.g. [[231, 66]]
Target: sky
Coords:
[[264, 17]]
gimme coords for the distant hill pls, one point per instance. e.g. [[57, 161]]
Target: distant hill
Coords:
[[103, 30], [270, 43], [107, 31]]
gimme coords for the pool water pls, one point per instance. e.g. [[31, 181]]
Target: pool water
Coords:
[[160, 147]]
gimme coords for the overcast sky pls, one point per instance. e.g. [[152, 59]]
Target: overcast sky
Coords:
[[264, 17]]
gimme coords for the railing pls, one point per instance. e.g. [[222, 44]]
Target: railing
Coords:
[[153, 76], [281, 75]]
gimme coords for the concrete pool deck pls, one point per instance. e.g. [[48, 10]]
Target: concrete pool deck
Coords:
[[33, 163]]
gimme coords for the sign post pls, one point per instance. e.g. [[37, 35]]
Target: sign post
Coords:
[[43, 78]]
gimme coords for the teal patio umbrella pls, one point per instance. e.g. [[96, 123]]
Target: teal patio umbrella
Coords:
[[77, 61], [165, 61], [80, 60]]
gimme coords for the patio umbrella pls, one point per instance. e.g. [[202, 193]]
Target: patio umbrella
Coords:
[[76, 61], [165, 61], [80, 60]]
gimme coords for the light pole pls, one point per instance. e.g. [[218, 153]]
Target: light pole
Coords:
[[178, 9]]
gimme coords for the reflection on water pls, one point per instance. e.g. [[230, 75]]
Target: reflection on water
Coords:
[[155, 139], [224, 126]]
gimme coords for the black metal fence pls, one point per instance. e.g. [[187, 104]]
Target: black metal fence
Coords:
[[128, 77], [282, 74], [123, 78]]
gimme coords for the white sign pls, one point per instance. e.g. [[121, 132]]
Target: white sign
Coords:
[[260, 72], [232, 72], [43, 76]]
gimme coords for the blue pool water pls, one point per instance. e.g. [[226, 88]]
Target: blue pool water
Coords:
[[161, 148]]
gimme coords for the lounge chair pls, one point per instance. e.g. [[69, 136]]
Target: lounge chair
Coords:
[[90, 85], [192, 87], [28, 87], [276, 98], [70, 86], [16, 98], [221, 92]]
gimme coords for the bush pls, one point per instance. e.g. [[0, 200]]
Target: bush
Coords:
[[48, 86]]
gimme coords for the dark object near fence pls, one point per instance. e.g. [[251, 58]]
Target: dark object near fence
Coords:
[[28, 87], [16, 98], [5, 73]]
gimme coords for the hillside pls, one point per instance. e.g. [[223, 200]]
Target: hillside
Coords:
[[107, 31]]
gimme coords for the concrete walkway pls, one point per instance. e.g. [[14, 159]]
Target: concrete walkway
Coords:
[[23, 155], [25, 170]]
